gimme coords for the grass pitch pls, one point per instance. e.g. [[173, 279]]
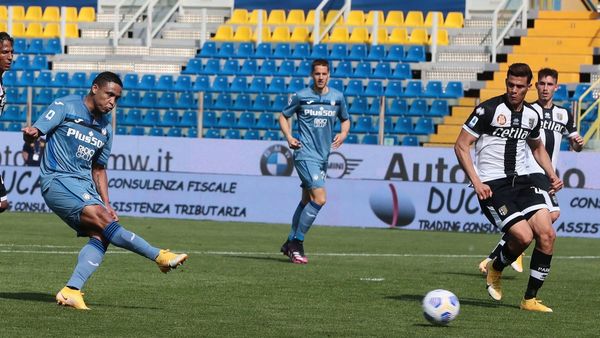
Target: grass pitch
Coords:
[[359, 282]]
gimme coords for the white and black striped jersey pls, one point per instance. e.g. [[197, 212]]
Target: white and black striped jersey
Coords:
[[555, 122], [501, 137], [2, 96]]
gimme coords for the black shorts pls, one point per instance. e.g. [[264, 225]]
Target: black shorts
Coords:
[[513, 199], [543, 182], [2, 190]]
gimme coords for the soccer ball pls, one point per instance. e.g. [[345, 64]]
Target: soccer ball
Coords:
[[440, 306]]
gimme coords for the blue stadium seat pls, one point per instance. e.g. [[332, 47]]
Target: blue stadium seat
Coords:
[[364, 124], [358, 52], [415, 54], [383, 70], [15, 96], [375, 106], [454, 90], [233, 134], [26, 79], [36, 46], [433, 89], [339, 51], [220, 84], [207, 101], [377, 53], [354, 88], [13, 114], [439, 108], [10, 78], [212, 133], [20, 46], [201, 84], [304, 69], [211, 67], [21, 62], [52, 47], [398, 107], [245, 50], [395, 53], [276, 86], [174, 132], [78, 80], [194, 66], [579, 90], [242, 102], [272, 135], [351, 139], [239, 84], [39, 62], [156, 131], [208, 50], [343, 69], [339, 85], [170, 119], [369, 139], [192, 133], [295, 85], [403, 125], [264, 50], [183, 83], [418, 107], [131, 98], [393, 89], [130, 81], [561, 94], [147, 82], [247, 120], [424, 126], [359, 106], [165, 82], [151, 118], [564, 145], [186, 101], [261, 103], [133, 117], [249, 67], [411, 141], [282, 50], [374, 88], [189, 119], [121, 130], [231, 67], [363, 70], [61, 79], [226, 50], [402, 71], [266, 121], [319, 51], [414, 89], [61, 92], [279, 103], [14, 126], [42, 80], [226, 120], [267, 68], [149, 100], [287, 68], [44, 96], [301, 51], [223, 101], [137, 131], [166, 100], [252, 135], [258, 85]]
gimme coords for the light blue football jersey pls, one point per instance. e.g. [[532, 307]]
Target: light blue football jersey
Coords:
[[74, 140], [316, 115]]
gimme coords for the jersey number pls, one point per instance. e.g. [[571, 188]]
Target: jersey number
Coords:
[[49, 115]]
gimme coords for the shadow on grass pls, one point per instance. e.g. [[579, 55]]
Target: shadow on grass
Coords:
[[469, 274], [261, 258], [463, 301], [28, 296]]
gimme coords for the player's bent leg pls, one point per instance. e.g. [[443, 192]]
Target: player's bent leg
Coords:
[[71, 298]]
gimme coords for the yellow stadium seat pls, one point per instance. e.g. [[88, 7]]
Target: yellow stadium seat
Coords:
[[242, 33], [331, 14], [442, 38], [276, 17], [18, 30], [382, 36], [86, 14], [3, 14], [224, 33], [429, 19], [51, 13], [310, 18], [454, 20], [370, 18], [18, 13], [359, 35], [356, 18], [299, 34], [281, 34], [33, 13], [3, 27], [72, 31], [398, 36], [34, 30], [253, 18], [295, 17], [266, 34], [418, 36], [51, 30], [394, 18], [338, 35], [71, 13], [414, 18], [239, 16]]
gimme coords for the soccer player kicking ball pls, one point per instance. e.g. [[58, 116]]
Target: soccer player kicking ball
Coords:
[[501, 128], [556, 122], [75, 185], [317, 108]]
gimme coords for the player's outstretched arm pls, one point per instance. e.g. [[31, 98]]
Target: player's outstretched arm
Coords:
[[341, 137], [101, 179]]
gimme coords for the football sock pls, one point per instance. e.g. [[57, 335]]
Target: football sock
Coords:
[[539, 269], [307, 217], [295, 220], [496, 252], [504, 259], [90, 257], [126, 239]]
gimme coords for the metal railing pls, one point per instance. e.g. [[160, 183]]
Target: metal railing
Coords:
[[317, 34], [593, 130], [521, 12]]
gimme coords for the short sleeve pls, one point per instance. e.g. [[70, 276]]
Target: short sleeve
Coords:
[[51, 118], [478, 122], [292, 106]]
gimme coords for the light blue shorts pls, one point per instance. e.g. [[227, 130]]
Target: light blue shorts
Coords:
[[312, 174], [67, 196]]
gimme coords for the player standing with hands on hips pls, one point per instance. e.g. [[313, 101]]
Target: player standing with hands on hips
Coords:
[[75, 184], [317, 108]]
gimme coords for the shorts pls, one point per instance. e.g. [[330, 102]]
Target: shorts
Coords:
[[513, 199], [541, 181], [67, 196], [311, 173], [3, 196]]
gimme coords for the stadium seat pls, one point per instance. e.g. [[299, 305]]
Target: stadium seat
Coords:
[[414, 89], [131, 98], [166, 100], [287, 68], [281, 34], [276, 86], [242, 102], [411, 141], [356, 18], [454, 20], [224, 33], [279, 102], [231, 67], [194, 66], [358, 52], [78, 80], [208, 50], [429, 19], [414, 19], [245, 50], [342, 70], [26, 79], [359, 106], [433, 89], [402, 71], [137, 131], [10, 78], [454, 89], [258, 85], [35, 46], [398, 36], [300, 51], [52, 46], [304, 69], [264, 50], [424, 126], [300, 34], [295, 85], [43, 97], [226, 50], [370, 18], [223, 101], [71, 14], [272, 135], [211, 67], [21, 62], [364, 124], [239, 84], [201, 84], [86, 14], [266, 121], [246, 121], [133, 117], [351, 139], [233, 134], [403, 125], [170, 119], [241, 34], [561, 94], [219, 84], [174, 132], [363, 70], [395, 53], [320, 51], [282, 50], [39, 62], [339, 35], [13, 114], [339, 85], [121, 130], [295, 17], [149, 100], [72, 31], [34, 30], [239, 16], [151, 118], [249, 67], [226, 120], [267, 68], [192, 133], [261, 103], [375, 107], [185, 101], [579, 90], [51, 30], [374, 88], [261, 36], [183, 83], [393, 89], [61, 92], [339, 52], [212, 133], [354, 88], [415, 54], [442, 38], [394, 19], [382, 71], [14, 126], [61, 79], [359, 35], [439, 108], [398, 107], [418, 107], [252, 135], [165, 82], [190, 119], [418, 36], [51, 14], [369, 139], [147, 82]]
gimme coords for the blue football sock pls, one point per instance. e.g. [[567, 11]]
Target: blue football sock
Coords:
[[89, 259], [307, 217], [126, 239], [295, 220]]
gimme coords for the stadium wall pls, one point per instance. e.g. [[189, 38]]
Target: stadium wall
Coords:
[[229, 180]]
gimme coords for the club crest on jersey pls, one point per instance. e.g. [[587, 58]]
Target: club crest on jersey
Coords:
[[531, 122], [559, 116], [501, 119], [503, 210]]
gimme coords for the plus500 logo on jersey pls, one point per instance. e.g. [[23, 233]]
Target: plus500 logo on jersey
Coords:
[[321, 112], [90, 139]]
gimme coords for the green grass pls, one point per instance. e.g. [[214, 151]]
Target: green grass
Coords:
[[236, 283]]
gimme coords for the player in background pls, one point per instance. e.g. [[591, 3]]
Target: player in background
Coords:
[[74, 182], [556, 122], [501, 128], [6, 58], [317, 108]]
